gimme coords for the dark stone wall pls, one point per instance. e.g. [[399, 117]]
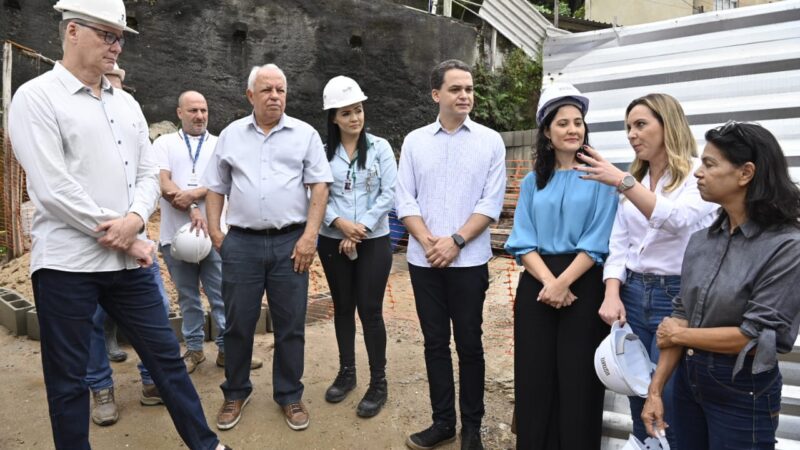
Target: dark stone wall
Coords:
[[210, 46]]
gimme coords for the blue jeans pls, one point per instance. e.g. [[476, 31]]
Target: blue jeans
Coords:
[[98, 371], [187, 278], [711, 411], [66, 303], [251, 264], [648, 299]]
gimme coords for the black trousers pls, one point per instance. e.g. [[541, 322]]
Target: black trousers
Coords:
[[453, 294], [359, 284], [559, 399]]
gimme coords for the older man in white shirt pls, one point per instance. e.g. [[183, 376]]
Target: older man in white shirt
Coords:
[[92, 176], [266, 163]]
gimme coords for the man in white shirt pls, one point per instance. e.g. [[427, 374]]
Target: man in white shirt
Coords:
[[266, 163], [92, 176], [450, 187], [182, 159]]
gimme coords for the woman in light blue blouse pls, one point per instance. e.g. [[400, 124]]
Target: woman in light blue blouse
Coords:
[[354, 245], [560, 235]]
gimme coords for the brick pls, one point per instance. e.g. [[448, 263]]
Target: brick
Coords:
[[32, 322], [13, 307]]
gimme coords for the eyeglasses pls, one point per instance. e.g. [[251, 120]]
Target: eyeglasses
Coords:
[[108, 37], [730, 126]]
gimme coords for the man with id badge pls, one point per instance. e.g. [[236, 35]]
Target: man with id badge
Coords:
[[182, 158]]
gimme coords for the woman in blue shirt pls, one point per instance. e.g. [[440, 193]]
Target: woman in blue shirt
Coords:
[[354, 244], [560, 235]]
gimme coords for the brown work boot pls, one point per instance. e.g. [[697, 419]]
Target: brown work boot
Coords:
[[296, 415], [104, 409], [193, 358], [150, 395], [255, 363], [231, 412]]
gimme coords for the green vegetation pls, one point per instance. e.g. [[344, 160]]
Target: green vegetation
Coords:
[[506, 99]]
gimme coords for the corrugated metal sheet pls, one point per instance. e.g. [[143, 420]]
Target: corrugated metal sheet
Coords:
[[520, 23], [741, 64]]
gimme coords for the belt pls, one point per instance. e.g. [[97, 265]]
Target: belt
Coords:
[[270, 231]]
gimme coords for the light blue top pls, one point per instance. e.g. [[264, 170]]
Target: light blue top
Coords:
[[569, 215], [371, 192]]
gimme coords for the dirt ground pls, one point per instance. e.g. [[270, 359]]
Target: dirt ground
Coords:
[[24, 422]]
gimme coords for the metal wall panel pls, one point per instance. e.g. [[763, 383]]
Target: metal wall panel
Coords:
[[741, 64], [520, 23]]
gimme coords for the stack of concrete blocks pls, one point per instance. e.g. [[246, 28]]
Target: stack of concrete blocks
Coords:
[[13, 308]]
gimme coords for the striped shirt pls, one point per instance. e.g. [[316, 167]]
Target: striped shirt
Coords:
[[446, 177]]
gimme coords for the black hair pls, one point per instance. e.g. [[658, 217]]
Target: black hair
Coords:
[[544, 158], [335, 138], [437, 74], [772, 198]]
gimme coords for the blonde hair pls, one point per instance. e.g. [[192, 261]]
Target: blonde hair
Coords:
[[679, 143]]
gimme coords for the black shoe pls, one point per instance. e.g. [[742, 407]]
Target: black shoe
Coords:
[[471, 439], [344, 383], [432, 437], [374, 399]]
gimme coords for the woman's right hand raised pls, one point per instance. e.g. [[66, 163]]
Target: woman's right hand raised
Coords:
[[612, 309]]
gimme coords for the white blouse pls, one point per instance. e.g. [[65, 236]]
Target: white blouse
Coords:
[[656, 246]]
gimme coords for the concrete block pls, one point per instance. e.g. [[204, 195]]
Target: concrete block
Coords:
[[264, 321], [213, 329], [32, 322], [13, 307], [175, 322], [508, 138]]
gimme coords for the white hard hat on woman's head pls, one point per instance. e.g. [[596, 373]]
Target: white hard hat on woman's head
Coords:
[[105, 12], [558, 94], [118, 72], [341, 91]]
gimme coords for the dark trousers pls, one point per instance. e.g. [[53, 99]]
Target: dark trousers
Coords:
[[252, 264], [442, 296], [559, 399], [65, 303], [359, 284], [713, 411]]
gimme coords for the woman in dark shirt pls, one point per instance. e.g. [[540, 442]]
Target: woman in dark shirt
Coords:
[[738, 299]]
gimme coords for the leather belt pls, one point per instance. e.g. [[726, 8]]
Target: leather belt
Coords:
[[270, 231]]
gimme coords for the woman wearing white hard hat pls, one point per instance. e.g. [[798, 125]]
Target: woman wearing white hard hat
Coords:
[[560, 236], [354, 245], [660, 208], [738, 304]]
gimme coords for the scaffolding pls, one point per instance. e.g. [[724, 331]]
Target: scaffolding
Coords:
[[12, 240]]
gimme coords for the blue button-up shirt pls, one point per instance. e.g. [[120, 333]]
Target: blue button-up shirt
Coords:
[[265, 175], [371, 193], [445, 178]]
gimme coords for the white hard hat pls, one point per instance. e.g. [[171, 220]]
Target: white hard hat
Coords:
[[650, 443], [118, 72], [188, 246], [341, 91], [552, 95], [106, 12], [622, 362]]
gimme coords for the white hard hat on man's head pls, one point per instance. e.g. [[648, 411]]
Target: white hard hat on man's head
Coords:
[[188, 246], [105, 12], [558, 94], [622, 363], [341, 91]]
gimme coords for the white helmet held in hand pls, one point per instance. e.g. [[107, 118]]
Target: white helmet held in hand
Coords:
[[557, 94], [650, 443], [341, 91], [622, 362], [188, 246], [106, 12]]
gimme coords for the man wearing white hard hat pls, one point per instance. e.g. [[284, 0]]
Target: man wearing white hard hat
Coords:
[[450, 187], [182, 159], [273, 169], [93, 178]]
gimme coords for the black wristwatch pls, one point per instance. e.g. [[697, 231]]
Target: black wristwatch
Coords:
[[460, 242]]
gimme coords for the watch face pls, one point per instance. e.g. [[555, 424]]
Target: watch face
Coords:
[[628, 181]]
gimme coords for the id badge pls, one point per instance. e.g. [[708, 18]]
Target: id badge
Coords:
[[348, 185], [193, 181]]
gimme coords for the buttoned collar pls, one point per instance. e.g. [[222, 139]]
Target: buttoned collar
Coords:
[[748, 229], [73, 84], [436, 127]]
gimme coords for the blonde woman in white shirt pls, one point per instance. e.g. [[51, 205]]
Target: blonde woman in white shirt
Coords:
[[659, 209]]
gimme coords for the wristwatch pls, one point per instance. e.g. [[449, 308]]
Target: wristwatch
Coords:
[[460, 242], [627, 182]]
